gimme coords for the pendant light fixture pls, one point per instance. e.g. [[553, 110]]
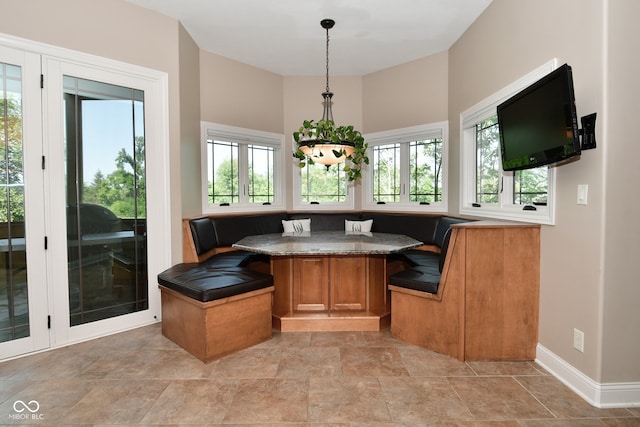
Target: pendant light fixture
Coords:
[[322, 142]]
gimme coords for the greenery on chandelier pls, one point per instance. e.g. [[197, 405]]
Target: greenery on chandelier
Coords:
[[312, 133]]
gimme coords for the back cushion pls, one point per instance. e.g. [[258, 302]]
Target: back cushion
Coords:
[[230, 229], [204, 236], [420, 227], [444, 224]]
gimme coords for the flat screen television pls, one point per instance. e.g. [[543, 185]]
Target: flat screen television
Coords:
[[539, 125]]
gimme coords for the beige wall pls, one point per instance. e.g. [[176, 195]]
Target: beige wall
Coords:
[[189, 183], [116, 30], [621, 343], [411, 94], [237, 94]]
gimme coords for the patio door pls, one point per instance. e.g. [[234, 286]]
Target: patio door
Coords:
[[98, 173], [77, 248], [23, 290]]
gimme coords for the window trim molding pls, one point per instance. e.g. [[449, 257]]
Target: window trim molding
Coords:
[[406, 135], [242, 136], [483, 110]]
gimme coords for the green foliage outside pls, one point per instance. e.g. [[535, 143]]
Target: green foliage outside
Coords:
[[11, 167], [225, 188], [123, 191], [426, 171], [487, 161], [322, 184], [425, 174], [530, 185]]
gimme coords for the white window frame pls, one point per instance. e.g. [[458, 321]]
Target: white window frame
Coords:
[[243, 137], [404, 136], [505, 209]]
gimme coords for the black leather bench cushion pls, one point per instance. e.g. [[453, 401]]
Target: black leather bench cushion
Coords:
[[204, 235], [230, 229], [417, 257], [444, 224], [208, 284], [425, 278], [420, 227], [233, 259]]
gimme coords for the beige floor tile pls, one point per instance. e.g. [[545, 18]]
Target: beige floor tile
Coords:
[[52, 398], [296, 379], [309, 361], [254, 362], [114, 402], [497, 398], [382, 339], [269, 400], [586, 422], [372, 361], [563, 402], [149, 364], [621, 422], [287, 339], [503, 368], [337, 339], [424, 363], [422, 399], [192, 402], [343, 399]]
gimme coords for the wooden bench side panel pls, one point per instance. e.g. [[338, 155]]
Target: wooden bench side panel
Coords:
[[212, 329], [502, 295], [434, 322]]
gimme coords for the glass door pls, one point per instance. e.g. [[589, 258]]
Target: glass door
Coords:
[[23, 301], [105, 200]]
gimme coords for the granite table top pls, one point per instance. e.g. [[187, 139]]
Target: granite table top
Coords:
[[326, 243]]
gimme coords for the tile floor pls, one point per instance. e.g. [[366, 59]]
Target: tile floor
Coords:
[[295, 379]]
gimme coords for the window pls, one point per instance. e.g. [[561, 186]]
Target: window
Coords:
[[240, 169], [407, 169], [322, 187], [487, 190], [321, 184]]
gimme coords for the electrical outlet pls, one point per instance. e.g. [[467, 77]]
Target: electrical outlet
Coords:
[[578, 340]]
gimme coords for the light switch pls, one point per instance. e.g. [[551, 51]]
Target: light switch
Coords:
[[583, 192]]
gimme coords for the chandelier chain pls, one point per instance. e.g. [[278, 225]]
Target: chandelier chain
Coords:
[[327, 89]]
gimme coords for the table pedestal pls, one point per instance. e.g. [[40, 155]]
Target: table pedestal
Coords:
[[330, 293]]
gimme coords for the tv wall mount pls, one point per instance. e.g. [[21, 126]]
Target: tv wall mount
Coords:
[[588, 132]]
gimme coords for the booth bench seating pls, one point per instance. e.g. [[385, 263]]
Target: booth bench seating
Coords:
[[470, 291]]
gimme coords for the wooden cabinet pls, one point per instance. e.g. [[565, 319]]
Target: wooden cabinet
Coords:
[[330, 292], [330, 283]]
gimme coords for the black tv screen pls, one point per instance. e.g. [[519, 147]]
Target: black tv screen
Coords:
[[539, 125]]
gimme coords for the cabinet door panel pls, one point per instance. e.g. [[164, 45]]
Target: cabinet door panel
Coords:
[[348, 278], [311, 284]]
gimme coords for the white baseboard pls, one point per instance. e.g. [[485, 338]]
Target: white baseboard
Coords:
[[607, 395]]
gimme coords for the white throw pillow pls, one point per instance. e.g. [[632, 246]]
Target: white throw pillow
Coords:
[[358, 226], [296, 225]]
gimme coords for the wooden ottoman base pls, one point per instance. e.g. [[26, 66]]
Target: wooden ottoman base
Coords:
[[209, 330]]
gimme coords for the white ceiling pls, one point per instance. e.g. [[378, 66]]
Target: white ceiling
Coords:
[[285, 36]]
